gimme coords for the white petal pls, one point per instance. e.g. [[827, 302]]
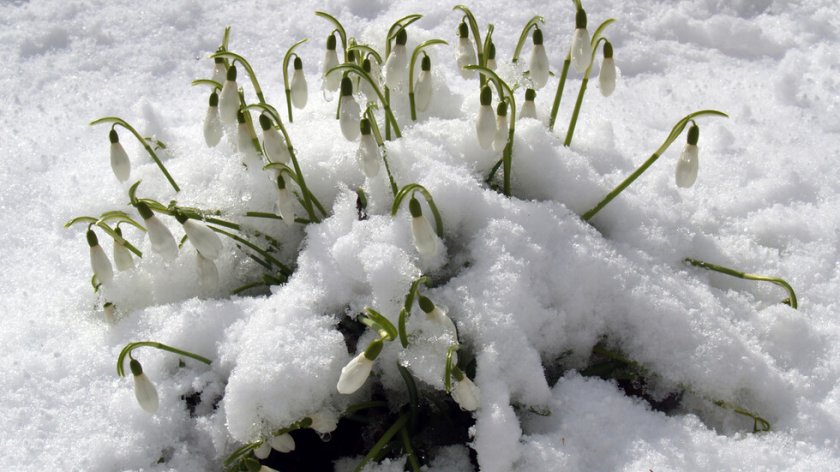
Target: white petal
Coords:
[[122, 257], [466, 394], [144, 391], [425, 239], [395, 67], [332, 81], [368, 155], [606, 78], [285, 206], [219, 72], [299, 89], [354, 374], [283, 443], [161, 238], [275, 146], [581, 50], [263, 451], [423, 90], [687, 166], [438, 316], [204, 239], [485, 126], [229, 102], [491, 64], [501, 137], [110, 313], [466, 57], [349, 118], [212, 127], [119, 162], [324, 421], [538, 66], [101, 265], [208, 274], [245, 145], [529, 110]]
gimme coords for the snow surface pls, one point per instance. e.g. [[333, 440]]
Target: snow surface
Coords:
[[525, 279]]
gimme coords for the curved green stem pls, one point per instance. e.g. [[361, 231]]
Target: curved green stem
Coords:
[[339, 28], [367, 50], [395, 28], [524, 35], [414, 55], [209, 82], [743, 275], [386, 329], [383, 441], [126, 351], [413, 397], [375, 128], [431, 201], [288, 89], [596, 38], [558, 95], [389, 116], [409, 451], [675, 131], [479, 46], [119, 121], [283, 267], [450, 367], [247, 66], [405, 312]]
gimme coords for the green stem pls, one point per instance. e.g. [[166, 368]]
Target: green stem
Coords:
[[383, 98], [675, 132], [479, 46], [126, 351], [209, 82], [743, 275], [395, 28], [431, 201], [286, 59], [249, 122], [413, 397], [119, 121], [383, 441], [571, 131], [414, 55], [283, 267], [559, 94], [524, 35], [409, 451], [387, 123], [248, 68], [338, 28], [375, 128], [387, 328], [450, 367], [367, 50]]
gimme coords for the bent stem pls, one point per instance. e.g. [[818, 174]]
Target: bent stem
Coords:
[[375, 128], [288, 89], [479, 46], [374, 320], [451, 368], [395, 28], [410, 189], [102, 222], [414, 55], [389, 116], [533, 22], [405, 312], [675, 132], [247, 66], [119, 121], [791, 300], [126, 351], [339, 28], [209, 82], [383, 441]]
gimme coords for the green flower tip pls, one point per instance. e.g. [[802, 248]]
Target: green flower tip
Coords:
[[331, 42], [118, 230], [91, 238], [113, 136], [486, 96], [366, 65], [214, 99], [346, 87], [414, 208], [501, 109], [402, 37], [351, 56], [181, 218], [231, 73], [538, 37], [491, 50], [426, 64], [144, 211], [265, 122], [136, 368], [219, 60], [693, 134], [240, 117], [608, 50], [364, 126], [281, 183], [107, 305], [463, 30], [456, 372], [298, 63], [425, 304], [580, 19], [530, 95], [373, 349], [252, 465]]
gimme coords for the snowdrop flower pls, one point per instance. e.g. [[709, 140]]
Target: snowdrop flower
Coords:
[[99, 260], [273, 142], [606, 77], [365, 87], [395, 66], [212, 122], [501, 127], [581, 48], [229, 99], [333, 80], [688, 164], [285, 204], [538, 64], [465, 392], [491, 56], [282, 443], [144, 389], [204, 239], [243, 139], [119, 158], [425, 239], [122, 256], [109, 310], [423, 89], [529, 110], [485, 126], [219, 71], [161, 238], [436, 315], [299, 89], [354, 374], [263, 451], [208, 274], [368, 153], [350, 111], [324, 421], [466, 52]]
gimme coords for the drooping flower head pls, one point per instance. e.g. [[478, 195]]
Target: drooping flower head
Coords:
[[436, 315], [688, 163], [204, 239], [581, 50], [491, 55], [99, 260], [466, 52], [282, 443], [300, 91], [350, 111], [144, 389], [423, 88], [119, 158], [212, 122], [356, 372], [161, 238], [229, 99], [333, 80], [122, 256], [529, 109], [285, 205], [607, 75], [219, 70], [465, 392], [502, 127], [395, 65], [273, 142], [425, 239], [485, 125], [538, 64], [368, 153]]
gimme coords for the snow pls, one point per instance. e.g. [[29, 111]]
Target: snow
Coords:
[[531, 287]]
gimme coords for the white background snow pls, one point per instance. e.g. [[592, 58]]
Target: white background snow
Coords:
[[529, 282]]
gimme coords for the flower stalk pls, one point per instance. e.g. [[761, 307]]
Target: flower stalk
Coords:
[[791, 300], [390, 119], [411, 90], [298, 80], [411, 189]]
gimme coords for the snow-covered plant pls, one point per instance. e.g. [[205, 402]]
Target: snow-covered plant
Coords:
[[436, 315], [356, 372], [425, 239], [100, 264], [790, 300], [464, 391], [161, 238]]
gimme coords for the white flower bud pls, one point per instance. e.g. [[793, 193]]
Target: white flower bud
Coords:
[[423, 87], [324, 421], [368, 153], [538, 64], [119, 162], [204, 239], [466, 57], [144, 389], [208, 274], [395, 65], [485, 126], [350, 111], [282, 443], [285, 204], [425, 239], [607, 75], [99, 260], [219, 71], [529, 109], [356, 372], [687, 166], [212, 122], [581, 50], [436, 315], [501, 137], [161, 238], [109, 311], [263, 451], [229, 98], [122, 256], [332, 81], [298, 87], [466, 394]]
